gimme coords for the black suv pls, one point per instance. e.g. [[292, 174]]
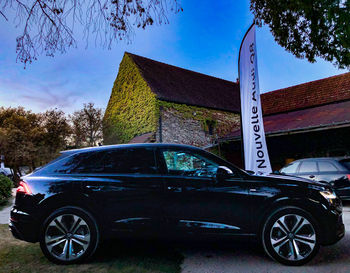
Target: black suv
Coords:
[[92, 194], [335, 171]]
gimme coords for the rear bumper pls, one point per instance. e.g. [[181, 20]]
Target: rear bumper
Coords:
[[23, 226]]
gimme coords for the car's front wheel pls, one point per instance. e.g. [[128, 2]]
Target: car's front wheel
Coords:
[[290, 236], [69, 235]]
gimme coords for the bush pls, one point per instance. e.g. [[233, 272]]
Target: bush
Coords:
[[5, 189]]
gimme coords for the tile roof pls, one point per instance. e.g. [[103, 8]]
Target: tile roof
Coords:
[[310, 94], [329, 115], [180, 85]]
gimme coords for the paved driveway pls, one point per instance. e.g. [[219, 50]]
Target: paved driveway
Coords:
[[244, 257]]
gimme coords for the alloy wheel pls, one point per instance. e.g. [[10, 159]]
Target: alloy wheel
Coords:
[[293, 237], [67, 237]]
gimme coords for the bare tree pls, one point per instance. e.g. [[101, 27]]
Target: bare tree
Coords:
[[48, 25], [87, 126]]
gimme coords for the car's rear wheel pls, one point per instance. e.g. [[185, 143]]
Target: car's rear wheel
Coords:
[[290, 236], [69, 235]]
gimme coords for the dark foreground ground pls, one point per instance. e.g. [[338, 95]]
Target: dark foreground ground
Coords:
[[173, 257], [249, 257]]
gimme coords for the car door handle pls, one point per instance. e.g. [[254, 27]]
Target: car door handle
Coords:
[[311, 176], [173, 189], [94, 188]]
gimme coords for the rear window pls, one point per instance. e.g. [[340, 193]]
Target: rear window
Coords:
[[63, 164], [308, 167], [346, 163]]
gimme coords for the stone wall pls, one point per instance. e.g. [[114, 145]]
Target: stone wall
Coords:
[[185, 124]]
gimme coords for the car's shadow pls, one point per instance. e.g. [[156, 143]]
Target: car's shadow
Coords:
[[228, 251]]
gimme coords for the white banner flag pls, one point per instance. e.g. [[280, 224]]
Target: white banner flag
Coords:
[[256, 157]]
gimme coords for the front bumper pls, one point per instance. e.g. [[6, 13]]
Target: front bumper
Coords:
[[23, 226], [333, 230]]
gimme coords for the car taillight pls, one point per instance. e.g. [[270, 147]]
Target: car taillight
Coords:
[[348, 176], [24, 188]]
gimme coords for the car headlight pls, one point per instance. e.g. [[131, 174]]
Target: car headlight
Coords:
[[329, 195]]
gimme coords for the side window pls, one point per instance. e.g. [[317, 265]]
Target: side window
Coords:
[[290, 168], [188, 164], [91, 162], [120, 161], [134, 161], [308, 167], [325, 166]]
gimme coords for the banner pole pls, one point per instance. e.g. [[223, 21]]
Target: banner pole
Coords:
[[240, 104]]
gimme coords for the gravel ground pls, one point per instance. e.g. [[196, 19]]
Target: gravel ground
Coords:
[[248, 257]]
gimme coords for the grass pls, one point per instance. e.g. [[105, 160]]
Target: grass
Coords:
[[115, 257]]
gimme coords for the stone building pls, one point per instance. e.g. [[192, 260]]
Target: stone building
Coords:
[[156, 102]]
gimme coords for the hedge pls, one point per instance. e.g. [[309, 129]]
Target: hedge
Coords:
[[5, 189]]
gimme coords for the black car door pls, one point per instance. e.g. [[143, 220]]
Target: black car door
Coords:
[[195, 201], [125, 187]]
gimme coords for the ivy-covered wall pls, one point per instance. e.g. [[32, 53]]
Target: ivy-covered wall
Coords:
[[132, 108]]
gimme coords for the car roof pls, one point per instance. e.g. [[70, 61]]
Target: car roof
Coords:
[[140, 145], [339, 158]]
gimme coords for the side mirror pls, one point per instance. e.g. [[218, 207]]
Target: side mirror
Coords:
[[223, 173]]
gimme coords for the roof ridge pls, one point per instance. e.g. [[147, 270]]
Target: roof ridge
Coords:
[[178, 67], [305, 83]]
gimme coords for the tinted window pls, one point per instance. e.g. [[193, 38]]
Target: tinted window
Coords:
[[308, 167], [346, 163], [325, 166], [188, 164], [119, 161], [291, 168], [63, 165]]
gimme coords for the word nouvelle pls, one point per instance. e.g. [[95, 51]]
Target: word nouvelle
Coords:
[[255, 119]]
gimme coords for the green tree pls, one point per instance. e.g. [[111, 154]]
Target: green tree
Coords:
[[308, 28], [56, 131], [87, 126], [29, 139], [20, 131]]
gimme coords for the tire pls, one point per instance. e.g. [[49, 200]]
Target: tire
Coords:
[[69, 235], [290, 236]]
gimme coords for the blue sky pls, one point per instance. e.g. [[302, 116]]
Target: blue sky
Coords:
[[205, 37]]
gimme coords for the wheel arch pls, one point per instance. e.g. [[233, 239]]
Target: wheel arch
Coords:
[[301, 203], [55, 202]]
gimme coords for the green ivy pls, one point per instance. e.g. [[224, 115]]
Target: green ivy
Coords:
[[132, 108]]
